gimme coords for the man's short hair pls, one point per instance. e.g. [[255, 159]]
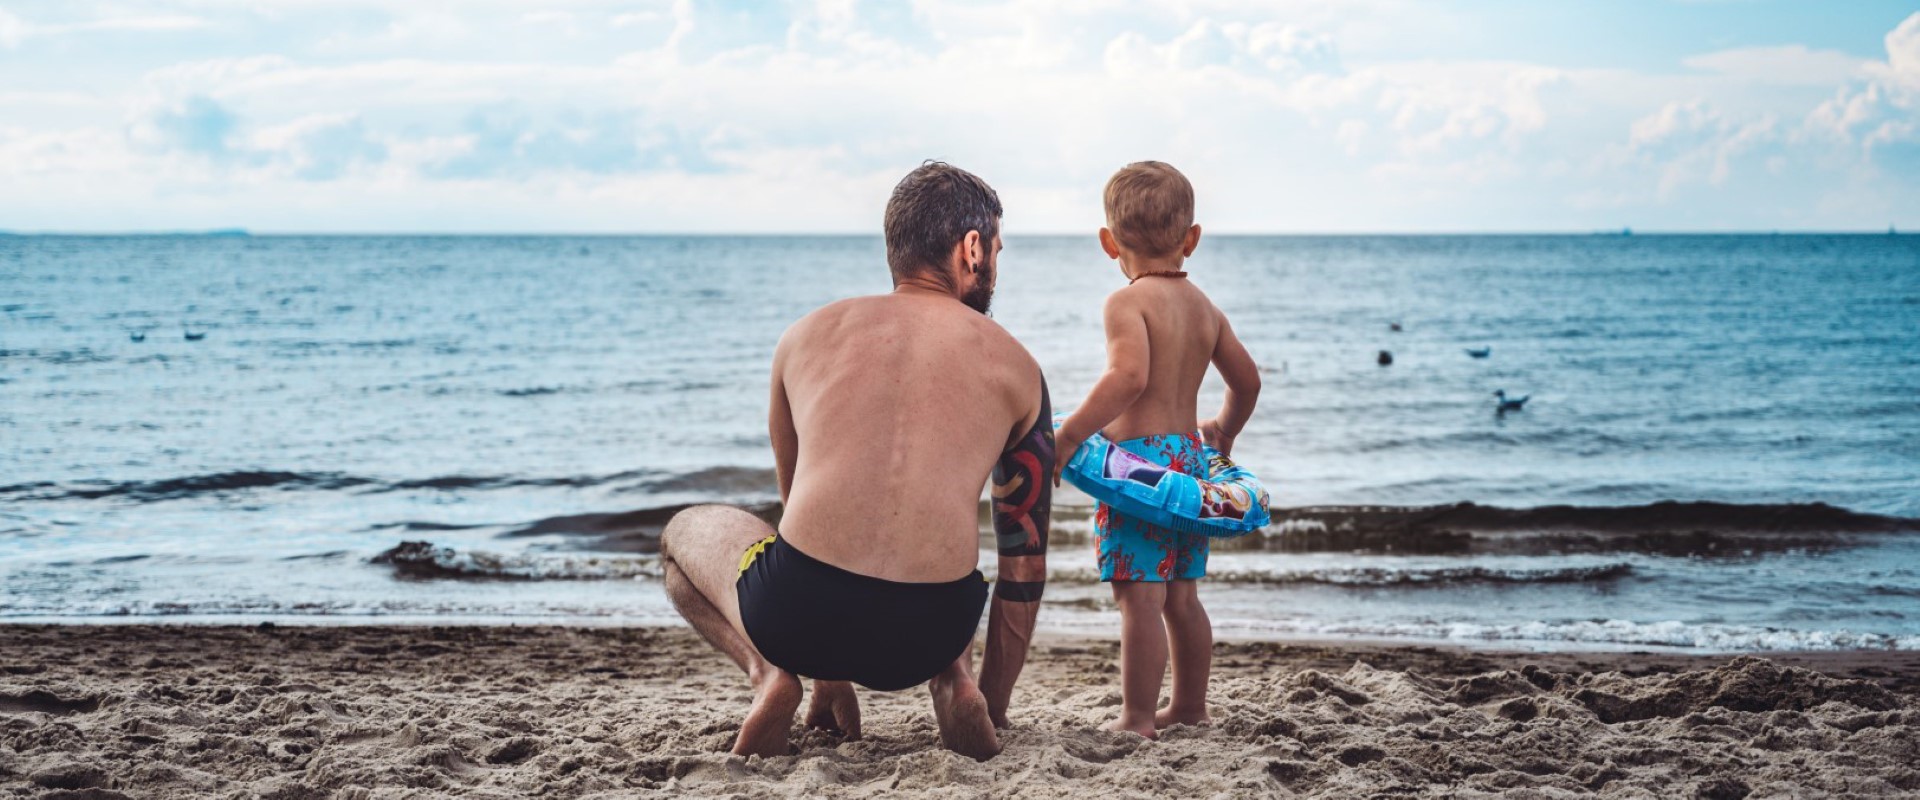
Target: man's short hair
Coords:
[[1149, 208], [930, 211]]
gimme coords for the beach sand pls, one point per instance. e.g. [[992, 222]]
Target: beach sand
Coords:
[[370, 712]]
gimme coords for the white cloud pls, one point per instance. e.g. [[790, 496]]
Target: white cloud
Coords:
[[14, 29], [1785, 65], [597, 114], [1879, 114]]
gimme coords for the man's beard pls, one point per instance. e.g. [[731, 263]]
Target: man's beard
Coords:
[[980, 297]]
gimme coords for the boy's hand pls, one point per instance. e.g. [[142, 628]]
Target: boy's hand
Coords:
[[1215, 435], [1064, 447]]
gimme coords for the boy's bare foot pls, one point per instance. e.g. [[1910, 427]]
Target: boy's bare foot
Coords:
[[1169, 716], [834, 709], [1132, 726], [776, 695], [961, 712]]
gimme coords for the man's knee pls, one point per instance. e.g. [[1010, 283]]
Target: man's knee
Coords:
[[681, 525]]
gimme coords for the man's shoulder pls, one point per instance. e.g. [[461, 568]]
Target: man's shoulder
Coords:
[[1000, 345], [828, 316]]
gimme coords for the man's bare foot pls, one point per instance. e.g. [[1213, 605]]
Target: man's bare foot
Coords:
[[1169, 716], [961, 712], [776, 696], [834, 709], [1143, 727]]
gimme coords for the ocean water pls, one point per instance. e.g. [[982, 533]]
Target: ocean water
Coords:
[[515, 400]]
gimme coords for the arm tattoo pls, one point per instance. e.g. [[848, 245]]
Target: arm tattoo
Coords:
[[1023, 500]]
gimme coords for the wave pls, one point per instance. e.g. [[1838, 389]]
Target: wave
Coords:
[[1589, 633], [416, 525], [456, 482], [1664, 528], [719, 482], [1579, 440], [635, 531], [1392, 576], [83, 355], [184, 487], [425, 561]]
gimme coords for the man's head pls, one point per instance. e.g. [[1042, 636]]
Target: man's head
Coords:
[[1150, 211], [943, 231]]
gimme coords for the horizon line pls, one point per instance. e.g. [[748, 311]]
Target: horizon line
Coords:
[[1622, 232]]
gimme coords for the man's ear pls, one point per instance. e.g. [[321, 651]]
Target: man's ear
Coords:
[[1109, 244], [1192, 241], [970, 255]]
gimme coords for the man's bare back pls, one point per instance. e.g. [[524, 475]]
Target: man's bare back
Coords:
[[887, 415], [899, 407]]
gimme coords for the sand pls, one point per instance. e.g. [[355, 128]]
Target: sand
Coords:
[[376, 712]]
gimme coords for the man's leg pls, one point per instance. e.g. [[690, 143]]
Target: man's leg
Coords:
[[700, 553], [834, 709], [1143, 653], [960, 711], [1191, 635]]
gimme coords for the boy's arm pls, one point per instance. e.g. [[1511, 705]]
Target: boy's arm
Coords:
[[1128, 355], [1243, 389], [1022, 517]]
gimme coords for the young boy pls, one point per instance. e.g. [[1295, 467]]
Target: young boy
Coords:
[[1162, 332]]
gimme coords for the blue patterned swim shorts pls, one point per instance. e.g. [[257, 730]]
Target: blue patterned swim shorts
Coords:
[[1133, 550]]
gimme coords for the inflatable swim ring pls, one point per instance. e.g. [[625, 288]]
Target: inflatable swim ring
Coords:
[[1228, 502]]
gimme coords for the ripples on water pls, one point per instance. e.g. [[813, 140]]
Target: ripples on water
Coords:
[[501, 397]]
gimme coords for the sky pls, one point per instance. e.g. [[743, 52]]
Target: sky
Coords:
[[1290, 116]]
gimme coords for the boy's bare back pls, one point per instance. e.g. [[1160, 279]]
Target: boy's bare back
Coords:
[[1178, 327]]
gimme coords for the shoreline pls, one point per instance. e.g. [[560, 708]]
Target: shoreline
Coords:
[[1515, 648], [391, 711]]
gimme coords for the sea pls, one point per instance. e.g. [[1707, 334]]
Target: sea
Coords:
[[1719, 450]]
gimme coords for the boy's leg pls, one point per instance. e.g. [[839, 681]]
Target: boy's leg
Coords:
[[1191, 635], [1143, 654]]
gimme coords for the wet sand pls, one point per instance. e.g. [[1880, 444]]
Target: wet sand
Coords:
[[376, 712]]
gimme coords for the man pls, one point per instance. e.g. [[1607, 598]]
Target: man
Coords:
[[888, 415]]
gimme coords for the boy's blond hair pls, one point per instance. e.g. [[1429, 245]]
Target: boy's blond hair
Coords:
[[1149, 208]]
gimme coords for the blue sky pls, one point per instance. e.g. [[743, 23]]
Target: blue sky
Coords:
[[1289, 115]]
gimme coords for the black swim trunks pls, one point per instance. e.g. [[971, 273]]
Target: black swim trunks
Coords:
[[819, 621]]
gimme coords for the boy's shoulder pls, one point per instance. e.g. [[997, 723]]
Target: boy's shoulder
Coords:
[[1142, 296]]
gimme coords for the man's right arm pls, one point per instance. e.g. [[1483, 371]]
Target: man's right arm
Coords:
[[1022, 517], [780, 429]]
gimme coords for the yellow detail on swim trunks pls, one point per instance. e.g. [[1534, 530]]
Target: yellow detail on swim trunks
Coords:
[[753, 552]]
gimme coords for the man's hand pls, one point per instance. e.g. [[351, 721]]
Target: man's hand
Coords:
[[1216, 437]]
